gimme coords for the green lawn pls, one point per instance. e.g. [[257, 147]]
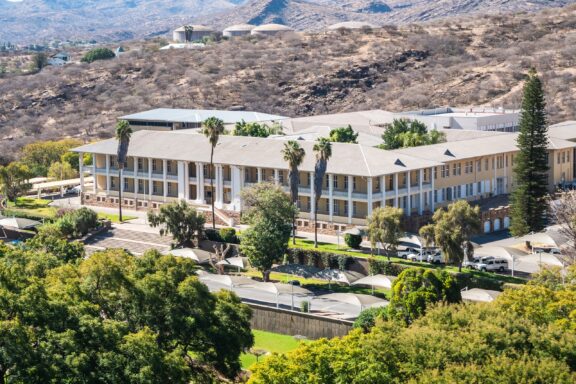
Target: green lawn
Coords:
[[269, 342], [114, 217], [31, 207]]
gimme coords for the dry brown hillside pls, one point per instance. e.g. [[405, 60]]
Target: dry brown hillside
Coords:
[[455, 63]]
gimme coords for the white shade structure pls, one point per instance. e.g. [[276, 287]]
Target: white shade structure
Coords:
[[381, 281], [360, 300], [230, 281], [346, 277], [236, 262], [480, 295], [18, 223], [279, 289], [187, 253]]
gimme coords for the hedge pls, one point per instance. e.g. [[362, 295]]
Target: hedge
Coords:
[[319, 259]]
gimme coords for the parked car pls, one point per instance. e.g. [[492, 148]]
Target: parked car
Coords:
[[435, 258], [408, 251], [423, 256], [492, 264], [73, 190], [473, 263]]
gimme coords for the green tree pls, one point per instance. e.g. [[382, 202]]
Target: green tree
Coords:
[[294, 155], [62, 171], [243, 128], [269, 212], [384, 226], [123, 134], [343, 135], [403, 133], [453, 229], [416, 289], [14, 180], [39, 61], [73, 159], [531, 163], [180, 220], [213, 128], [98, 54], [40, 155], [323, 150]]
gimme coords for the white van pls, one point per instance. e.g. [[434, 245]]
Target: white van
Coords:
[[492, 265]]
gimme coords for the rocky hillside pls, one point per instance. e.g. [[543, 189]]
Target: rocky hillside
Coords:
[[478, 62], [26, 21]]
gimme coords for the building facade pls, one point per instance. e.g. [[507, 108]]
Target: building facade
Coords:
[[170, 166]]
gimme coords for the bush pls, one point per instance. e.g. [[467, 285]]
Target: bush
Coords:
[[98, 54], [385, 267], [228, 235], [77, 223], [305, 306], [367, 318], [213, 235], [353, 241]]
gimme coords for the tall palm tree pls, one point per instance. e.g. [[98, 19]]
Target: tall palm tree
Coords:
[[323, 151], [213, 128], [123, 134], [294, 155]]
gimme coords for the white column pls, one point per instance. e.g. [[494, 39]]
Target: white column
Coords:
[[136, 179], [331, 195], [432, 202], [81, 170], [369, 190], [108, 179], [150, 182], [181, 180], [187, 181], [276, 177], [236, 182], [408, 199], [383, 190], [259, 175], [200, 183], [219, 186], [350, 203], [421, 193], [165, 178], [312, 196], [95, 185], [396, 190]]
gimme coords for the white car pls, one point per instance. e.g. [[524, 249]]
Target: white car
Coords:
[[435, 258], [492, 264], [408, 251]]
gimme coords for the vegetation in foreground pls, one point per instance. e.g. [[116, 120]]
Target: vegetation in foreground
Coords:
[[113, 317], [267, 343], [527, 336]]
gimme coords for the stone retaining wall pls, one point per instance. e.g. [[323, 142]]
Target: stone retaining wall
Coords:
[[291, 323]]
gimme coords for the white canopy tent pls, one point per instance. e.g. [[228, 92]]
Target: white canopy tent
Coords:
[[296, 269], [480, 295], [279, 289], [381, 281], [346, 277], [360, 300], [227, 280], [188, 253], [236, 262]]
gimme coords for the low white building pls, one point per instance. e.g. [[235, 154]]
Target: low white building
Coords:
[[271, 30], [197, 33], [238, 30]]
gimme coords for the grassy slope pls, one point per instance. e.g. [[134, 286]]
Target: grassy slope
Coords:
[[270, 342]]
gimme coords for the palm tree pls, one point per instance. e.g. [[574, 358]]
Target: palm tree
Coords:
[[323, 150], [213, 128], [294, 155], [123, 134]]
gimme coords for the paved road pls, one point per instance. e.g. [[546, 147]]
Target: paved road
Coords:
[[134, 241]]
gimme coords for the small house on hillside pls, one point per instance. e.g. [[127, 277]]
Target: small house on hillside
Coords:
[[238, 30], [189, 33], [271, 30], [59, 59]]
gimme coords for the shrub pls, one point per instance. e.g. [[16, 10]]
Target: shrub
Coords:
[[352, 240], [77, 223], [98, 54], [385, 267], [305, 306], [367, 318], [213, 235], [228, 235]]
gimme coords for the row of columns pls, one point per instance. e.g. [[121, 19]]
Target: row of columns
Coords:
[[237, 183]]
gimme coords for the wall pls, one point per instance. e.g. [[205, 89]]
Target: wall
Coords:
[[297, 323]]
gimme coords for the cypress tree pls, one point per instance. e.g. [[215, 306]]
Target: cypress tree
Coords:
[[531, 164]]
